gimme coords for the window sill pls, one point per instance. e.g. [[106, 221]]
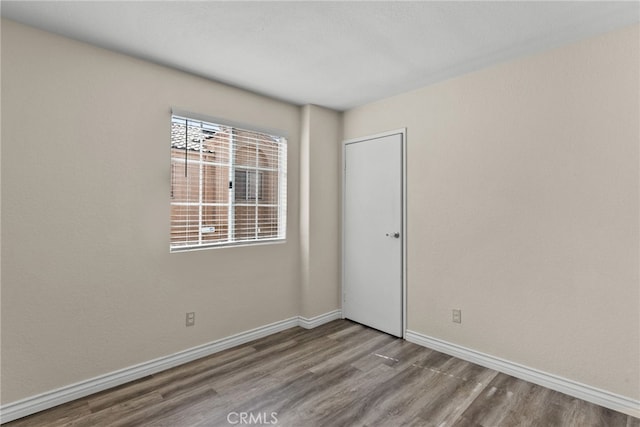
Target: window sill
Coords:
[[228, 245]]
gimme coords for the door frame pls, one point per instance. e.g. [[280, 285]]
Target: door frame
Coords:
[[403, 216]]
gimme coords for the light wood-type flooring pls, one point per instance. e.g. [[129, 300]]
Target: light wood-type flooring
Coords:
[[339, 374]]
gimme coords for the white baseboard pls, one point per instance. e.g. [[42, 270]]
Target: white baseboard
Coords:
[[40, 402], [313, 322], [572, 388]]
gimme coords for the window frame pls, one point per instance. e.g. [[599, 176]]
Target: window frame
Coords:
[[280, 189]]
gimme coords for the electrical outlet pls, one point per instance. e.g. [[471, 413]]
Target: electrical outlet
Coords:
[[456, 315], [191, 318]]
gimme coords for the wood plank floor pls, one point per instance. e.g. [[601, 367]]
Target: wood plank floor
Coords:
[[339, 374]]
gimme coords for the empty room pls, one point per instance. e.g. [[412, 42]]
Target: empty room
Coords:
[[298, 213]]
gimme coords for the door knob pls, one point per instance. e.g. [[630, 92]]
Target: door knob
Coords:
[[395, 235]]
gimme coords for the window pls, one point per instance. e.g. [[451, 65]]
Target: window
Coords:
[[228, 185], [248, 184]]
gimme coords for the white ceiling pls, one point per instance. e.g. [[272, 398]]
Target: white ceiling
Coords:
[[334, 54]]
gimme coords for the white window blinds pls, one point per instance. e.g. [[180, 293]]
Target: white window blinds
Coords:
[[228, 185]]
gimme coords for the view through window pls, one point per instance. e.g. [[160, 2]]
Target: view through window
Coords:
[[228, 185]]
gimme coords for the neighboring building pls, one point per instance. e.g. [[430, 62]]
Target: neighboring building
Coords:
[[228, 190]]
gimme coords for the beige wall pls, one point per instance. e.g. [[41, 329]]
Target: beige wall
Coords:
[[88, 283], [523, 209], [319, 210]]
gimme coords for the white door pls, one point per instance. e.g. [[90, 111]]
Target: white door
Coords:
[[373, 232]]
